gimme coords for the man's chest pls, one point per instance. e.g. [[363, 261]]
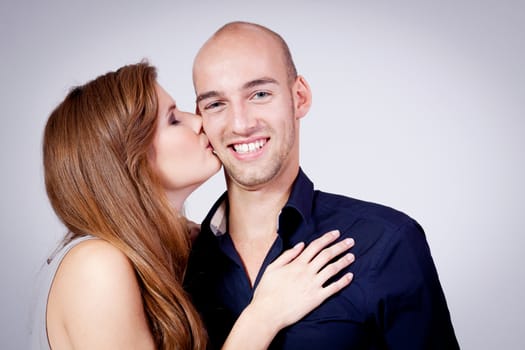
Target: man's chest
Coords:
[[336, 324]]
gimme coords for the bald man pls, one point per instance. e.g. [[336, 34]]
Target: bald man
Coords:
[[252, 100]]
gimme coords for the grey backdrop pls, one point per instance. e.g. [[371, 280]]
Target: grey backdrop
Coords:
[[417, 104]]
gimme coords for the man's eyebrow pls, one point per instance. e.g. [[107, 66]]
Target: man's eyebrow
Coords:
[[206, 95], [257, 82]]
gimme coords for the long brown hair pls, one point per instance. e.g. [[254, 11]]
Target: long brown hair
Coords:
[[99, 181]]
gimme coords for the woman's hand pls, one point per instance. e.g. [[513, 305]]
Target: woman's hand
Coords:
[[294, 284], [291, 287]]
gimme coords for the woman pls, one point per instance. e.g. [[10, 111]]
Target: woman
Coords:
[[120, 160]]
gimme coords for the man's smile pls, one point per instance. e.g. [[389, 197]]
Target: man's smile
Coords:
[[243, 148]]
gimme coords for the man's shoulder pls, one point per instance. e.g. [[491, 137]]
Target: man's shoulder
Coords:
[[359, 210], [376, 228]]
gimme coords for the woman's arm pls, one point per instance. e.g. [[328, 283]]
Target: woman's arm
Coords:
[[291, 287], [95, 301]]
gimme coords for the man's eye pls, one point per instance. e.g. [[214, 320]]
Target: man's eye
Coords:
[[260, 95], [213, 105]]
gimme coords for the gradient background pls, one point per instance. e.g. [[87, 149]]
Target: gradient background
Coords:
[[418, 105]]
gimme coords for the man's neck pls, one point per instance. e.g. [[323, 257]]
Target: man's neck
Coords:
[[253, 215], [252, 223]]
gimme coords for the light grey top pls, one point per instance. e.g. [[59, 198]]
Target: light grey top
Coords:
[[45, 278]]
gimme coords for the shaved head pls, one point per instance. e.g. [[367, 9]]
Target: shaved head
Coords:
[[238, 28]]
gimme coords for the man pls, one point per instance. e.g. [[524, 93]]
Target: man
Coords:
[[251, 100]]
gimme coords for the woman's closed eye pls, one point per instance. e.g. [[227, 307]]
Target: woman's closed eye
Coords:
[[172, 120]]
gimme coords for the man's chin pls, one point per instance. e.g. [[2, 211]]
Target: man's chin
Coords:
[[248, 178]]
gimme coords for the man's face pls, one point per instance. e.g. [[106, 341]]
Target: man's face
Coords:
[[248, 107]]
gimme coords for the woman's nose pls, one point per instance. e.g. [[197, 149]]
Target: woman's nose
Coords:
[[195, 122], [198, 123]]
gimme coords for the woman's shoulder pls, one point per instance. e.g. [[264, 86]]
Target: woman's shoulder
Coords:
[[95, 288], [92, 253], [94, 266]]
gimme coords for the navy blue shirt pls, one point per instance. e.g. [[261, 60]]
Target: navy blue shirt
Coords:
[[395, 300]]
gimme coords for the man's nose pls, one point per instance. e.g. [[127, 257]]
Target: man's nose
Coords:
[[242, 121]]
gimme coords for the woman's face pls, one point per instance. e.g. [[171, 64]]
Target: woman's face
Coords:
[[182, 155]]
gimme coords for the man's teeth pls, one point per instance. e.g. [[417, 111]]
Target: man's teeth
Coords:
[[248, 147]]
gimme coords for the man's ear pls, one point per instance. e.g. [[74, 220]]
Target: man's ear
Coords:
[[302, 96]]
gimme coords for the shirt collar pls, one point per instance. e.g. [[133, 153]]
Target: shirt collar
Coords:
[[300, 201], [219, 219], [301, 196]]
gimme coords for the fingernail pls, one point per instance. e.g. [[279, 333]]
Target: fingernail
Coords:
[[300, 244], [350, 257], [336, 233], [349, 241]]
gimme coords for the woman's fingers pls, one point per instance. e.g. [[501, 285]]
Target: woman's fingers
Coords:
[[317, 245], [336, 286], [287, 256], [334, 268], [318, 254], [328, 254], [314, 261]]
